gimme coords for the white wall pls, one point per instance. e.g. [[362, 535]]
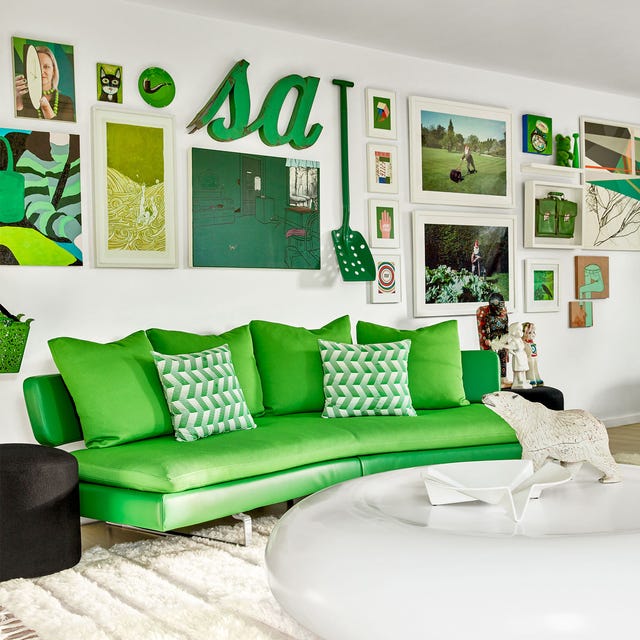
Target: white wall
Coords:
[[598, 368]]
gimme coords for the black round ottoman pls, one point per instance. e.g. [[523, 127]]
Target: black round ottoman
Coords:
[[39, 511]]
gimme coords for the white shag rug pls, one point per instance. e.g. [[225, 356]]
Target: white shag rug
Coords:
[[161, 589]]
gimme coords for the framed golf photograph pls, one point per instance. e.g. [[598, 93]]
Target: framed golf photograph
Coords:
[[460, 259], [541, 286], [384, 229], [460, 154], [381, 113], [134, 189], [387, 285], [382, 168]]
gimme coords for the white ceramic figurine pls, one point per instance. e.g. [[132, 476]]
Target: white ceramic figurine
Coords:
[[572, 436]]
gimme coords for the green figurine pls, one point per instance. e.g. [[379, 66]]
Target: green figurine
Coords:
[[563, 151], [576, 151]]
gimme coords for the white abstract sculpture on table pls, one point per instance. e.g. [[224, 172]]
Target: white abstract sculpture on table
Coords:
[[572, 437], [513, 342], [508, 483]]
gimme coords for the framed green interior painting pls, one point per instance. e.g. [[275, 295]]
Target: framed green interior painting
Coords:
[[541, 286], [460, 153], [134, 189], [254, 211], [460, 259]]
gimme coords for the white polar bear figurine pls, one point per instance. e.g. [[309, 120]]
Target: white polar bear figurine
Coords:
[[571, 437]]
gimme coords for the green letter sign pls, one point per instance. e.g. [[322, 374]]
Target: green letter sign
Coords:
[[235, 88]]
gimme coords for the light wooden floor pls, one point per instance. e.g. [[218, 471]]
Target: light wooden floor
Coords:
[[621, 439]]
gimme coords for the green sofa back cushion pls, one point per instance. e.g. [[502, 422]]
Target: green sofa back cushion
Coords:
[[289, 363], [435, 365], [239, 341], [115, 388]]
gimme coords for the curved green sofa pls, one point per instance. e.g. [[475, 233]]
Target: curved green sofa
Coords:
[[161, 484]]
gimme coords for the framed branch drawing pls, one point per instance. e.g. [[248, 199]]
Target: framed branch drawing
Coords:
[[460, 153], [611, 162], [460, 259], [134, 189]]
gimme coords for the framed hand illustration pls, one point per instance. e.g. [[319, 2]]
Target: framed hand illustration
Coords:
[[460, 153], [384, 227], [460, 260], [134, 189]]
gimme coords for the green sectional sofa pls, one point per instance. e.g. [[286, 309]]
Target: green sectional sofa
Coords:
[[141, 475]]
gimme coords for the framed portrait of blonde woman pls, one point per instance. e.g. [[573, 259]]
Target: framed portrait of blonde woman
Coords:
[[43, 80]]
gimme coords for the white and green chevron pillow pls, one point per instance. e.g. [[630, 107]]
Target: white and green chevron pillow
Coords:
[[203, 393], [366, 379]]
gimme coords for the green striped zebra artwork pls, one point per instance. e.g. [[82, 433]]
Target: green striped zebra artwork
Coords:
[[40, 177]]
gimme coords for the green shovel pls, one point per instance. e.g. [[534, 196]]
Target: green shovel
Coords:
[[354, 256]]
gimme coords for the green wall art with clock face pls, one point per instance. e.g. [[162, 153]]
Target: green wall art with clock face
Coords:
[[44, 80]]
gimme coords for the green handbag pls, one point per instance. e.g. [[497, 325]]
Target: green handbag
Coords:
[[14, 332], [566, 212], [11, 190], [546, 218]]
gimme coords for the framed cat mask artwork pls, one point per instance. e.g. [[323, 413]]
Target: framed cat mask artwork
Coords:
[[109, 83]]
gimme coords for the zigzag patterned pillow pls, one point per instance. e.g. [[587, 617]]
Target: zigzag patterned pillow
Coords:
[[366, 379], [203, 393]]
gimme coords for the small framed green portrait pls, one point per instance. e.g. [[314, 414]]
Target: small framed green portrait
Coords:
[[381, 114], [542, 286]]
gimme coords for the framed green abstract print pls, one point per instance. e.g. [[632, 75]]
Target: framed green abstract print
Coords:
[[134, 189], [381, 114], [460, 153], [541, 286]]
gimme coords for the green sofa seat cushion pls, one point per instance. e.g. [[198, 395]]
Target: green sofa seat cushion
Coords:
[[115, 388], [289, 363], [284, 442], [239, 340], [435, 363]]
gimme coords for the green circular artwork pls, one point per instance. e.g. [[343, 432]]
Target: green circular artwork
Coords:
[[156, 87]]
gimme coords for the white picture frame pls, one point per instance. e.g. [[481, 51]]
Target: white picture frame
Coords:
[[381, 114], [489, 132], [438, 264], [384, 224], [382, 168], [387, 285], [134, 151], [541, 286]]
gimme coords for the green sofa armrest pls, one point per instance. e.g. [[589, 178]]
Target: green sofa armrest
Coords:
[[480, 373], [51, 411]]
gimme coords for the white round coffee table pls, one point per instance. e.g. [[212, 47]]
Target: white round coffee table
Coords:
[[371, 558]]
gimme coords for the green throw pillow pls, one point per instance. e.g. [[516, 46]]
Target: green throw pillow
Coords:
[[435, 364], [240, 343], [289, 363], [114, 387], [366, 379], [203, 393]]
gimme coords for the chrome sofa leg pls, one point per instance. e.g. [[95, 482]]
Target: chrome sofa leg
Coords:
[[245, 518]]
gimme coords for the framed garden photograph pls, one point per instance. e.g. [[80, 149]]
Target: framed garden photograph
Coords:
[[382, 168], [134, 189], [384, 227], [541, 286], [460, 153], [381, 113], [387, 286], [460, 259]]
